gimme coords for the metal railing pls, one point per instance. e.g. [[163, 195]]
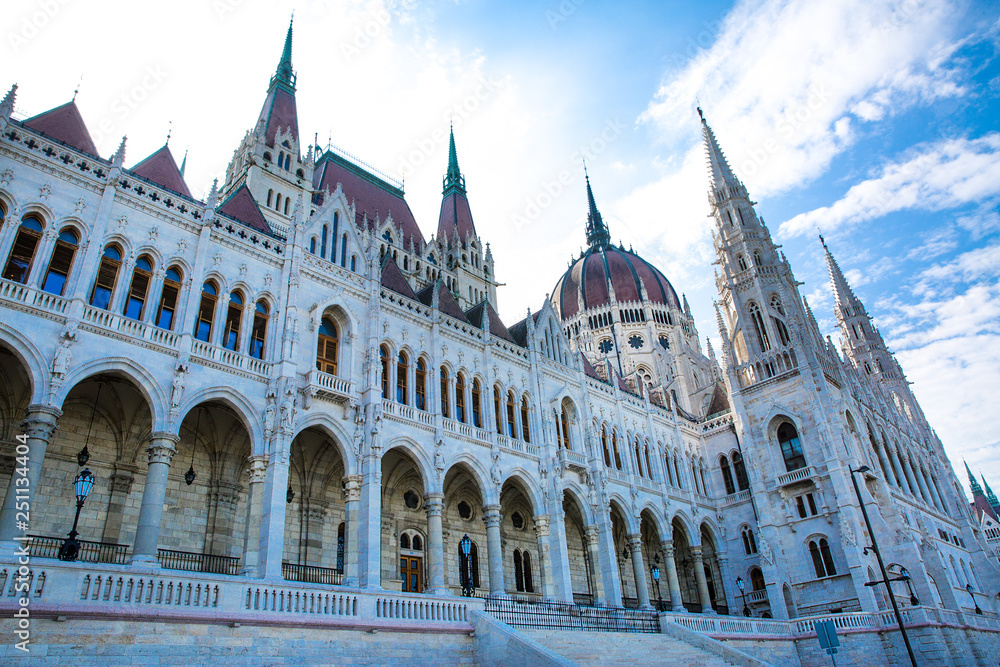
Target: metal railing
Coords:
[[312, 574], [557, 616], [192, 562], [43, 546]]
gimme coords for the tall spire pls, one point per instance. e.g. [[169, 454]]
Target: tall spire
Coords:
[[841, 290], [453, 179], [973, 483], [990, 496], [7, 105], [718, 166], [597, 231], [284, 76]]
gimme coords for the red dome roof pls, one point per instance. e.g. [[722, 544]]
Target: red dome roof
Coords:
[[585, 284]]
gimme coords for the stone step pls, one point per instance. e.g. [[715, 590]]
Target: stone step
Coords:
[[622, 648]]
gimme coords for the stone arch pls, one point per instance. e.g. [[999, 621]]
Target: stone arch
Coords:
[[40, 209], [577, 496], [479, 476], [244, 410], [335, 432], [414, 452], [631, 526], [147, 385], [790, 607], [649, 512], [31, 358], [680, 520], [531, 490]]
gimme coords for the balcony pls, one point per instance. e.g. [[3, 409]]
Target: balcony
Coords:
[[194, 562], [311, 574], [224, 359], [571, 459], [797, 476], [328, 387], [736, 498]]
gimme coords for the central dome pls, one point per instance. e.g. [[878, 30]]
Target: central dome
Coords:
[[590, 280]]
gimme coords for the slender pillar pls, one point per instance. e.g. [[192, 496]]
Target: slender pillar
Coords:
[[606, 562], [544, 557], [370, 523], [886, 467], [273, 505], [162, 447], [491, 515], [352, 503], [699, 575], [897, 470], [434, 504], [251, 535], [39, 425], [639, 571], [591, 543], [934, 492], [673, 584]]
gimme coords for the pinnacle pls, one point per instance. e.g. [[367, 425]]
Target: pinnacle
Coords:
[[597, 231]]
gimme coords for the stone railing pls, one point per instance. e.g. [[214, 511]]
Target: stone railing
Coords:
[[795, 476], [757, 597], [736, 498], [31, 297], [713, 625], [327, 386], [229, 359]]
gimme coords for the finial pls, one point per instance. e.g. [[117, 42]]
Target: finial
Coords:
[[700, 114], [184, 163], [316, 140], [118, 159], [7, 104], [213, 195], [77, 91], [170, 130]]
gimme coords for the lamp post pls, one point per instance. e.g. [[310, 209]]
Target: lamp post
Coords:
[[655, 570], [467, 586], [739, 584], [904, 576], [972, 595], [84, 482], [881, 566]]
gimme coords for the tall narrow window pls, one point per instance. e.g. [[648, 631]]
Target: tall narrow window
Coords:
[[328, 347], [445, 405], [824, 550], [206, 311], [402, 375], [61, 262], [343, 250], [141, 274], [420, 390], [727, 476], [649, 467], [525, 428], [638, 459], [477, 404], [258, 333], [758, 323], [518, 573], [383, 353], [564, 417], [791, 449], [511, 423], [234, 316], [340, 547], [168, 298], [333, 238], [742, 482], [107, 276], [604, 445], [614, 445], [529, 586], [460, 398], [23, 250], [322, 242], [498, 409]]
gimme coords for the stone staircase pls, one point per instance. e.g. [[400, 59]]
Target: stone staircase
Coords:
[[620, 648]]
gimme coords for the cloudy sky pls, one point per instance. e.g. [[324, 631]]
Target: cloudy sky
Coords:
[[873, 121]]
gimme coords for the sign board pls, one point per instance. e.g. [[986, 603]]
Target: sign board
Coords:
[[826, 632]]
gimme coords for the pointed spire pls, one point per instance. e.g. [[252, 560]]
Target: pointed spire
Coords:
[[7, 105], [722, 174], [453, 179], [597, 231], [213, 195], [184, 163], [284, 76], [841, 290], [973, 484], [118, 159], [990, 496], [687, 306]]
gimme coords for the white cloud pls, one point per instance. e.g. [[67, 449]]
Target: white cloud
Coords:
[[932, 177]]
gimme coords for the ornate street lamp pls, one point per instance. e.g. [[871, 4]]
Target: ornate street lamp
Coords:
[[656, 581], [84, 454], [904, 576], [84, 482], [968, 587], [467, 586], [190, 475], [739, 584], [289, 495]]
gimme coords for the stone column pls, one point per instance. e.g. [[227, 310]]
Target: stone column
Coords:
[[352, 503], [162, 447], [119, 486], [434, 505], [606, 562], [39, 425], [890, 476], [251, 542], [730, 592], [273, 506], [699, 575], [544, 557], [673, 584], [639, 570], [591, 544], [491, 516], [896, 470], [559, 572], [370, 523]]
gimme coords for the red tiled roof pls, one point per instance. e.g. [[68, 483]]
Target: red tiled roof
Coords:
[[446, 302], [372, 197], [160, 168], [279, 111], [65, 124], [720, 401], [455, 213], [588, 368], [393, 278], [497, 328], [242, 206]]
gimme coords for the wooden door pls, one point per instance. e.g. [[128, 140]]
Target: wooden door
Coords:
[[411, 572]]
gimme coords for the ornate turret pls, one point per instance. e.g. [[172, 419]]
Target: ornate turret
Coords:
[[597, 231]]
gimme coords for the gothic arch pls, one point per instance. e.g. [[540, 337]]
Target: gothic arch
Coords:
[[480, 477], [631, 525], [418, 457], [333, 429], [680, 519], [244, 410], [144, 381], [576, 495], [32, 360], [47, 215], [528, 487]]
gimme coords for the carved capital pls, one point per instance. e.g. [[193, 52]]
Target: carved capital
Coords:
[[542, 525], [352, 488], [696, 553], [634, 540], [40, 421], [434, 504], [120, 483], [257, 471], [590, 535], [491, 516]]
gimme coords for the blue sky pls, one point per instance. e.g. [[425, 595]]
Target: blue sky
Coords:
[[875, 121]]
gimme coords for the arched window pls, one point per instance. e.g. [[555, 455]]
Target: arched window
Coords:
[[333, 239], [564, 416], [107, 276], [518, 572], [234, 316], [821, 558], [354, 262], [791, 448], [742, 481], [402, 374], [498, 409], [758, 323], [511, 423], [757, 579], [742, 261], [477, 404], [322, 242], [23, 250], [666, 462], [277, 202], [206, 311], [258, 333], [134, 304], [340, 547], [420, 390], [327, 350], [529, 586], [638, 459], [749, 543], [445, 407], [460, 397], [168, 298], [614, 446], [727, 477], [649, 467], [61, 262], [525, 428], [383, 353], [270, 196], [343, 252], [604, 445], [465, 563], [287, 202]]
